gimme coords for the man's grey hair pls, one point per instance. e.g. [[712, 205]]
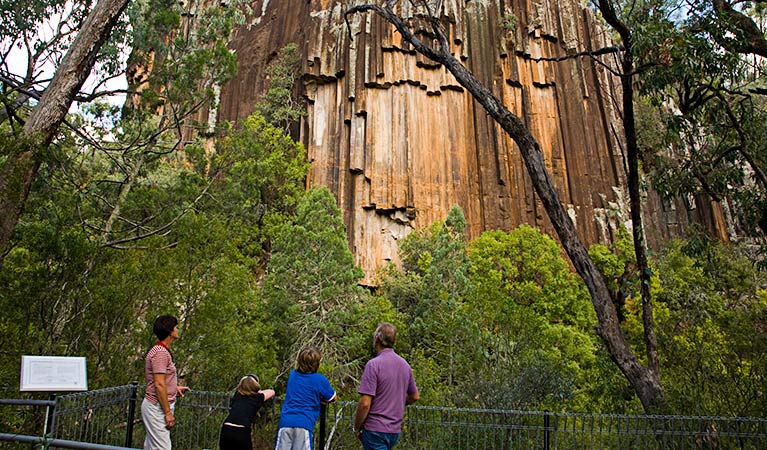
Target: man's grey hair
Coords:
[[386, 334]]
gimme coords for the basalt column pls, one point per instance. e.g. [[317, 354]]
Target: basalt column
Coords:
[[400, 142]]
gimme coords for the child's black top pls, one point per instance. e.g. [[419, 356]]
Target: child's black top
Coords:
[[243, 408]]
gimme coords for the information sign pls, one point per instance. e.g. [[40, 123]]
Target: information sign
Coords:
[[53, 373]]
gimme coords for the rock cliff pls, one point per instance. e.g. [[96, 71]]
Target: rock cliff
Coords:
[[400, 142]]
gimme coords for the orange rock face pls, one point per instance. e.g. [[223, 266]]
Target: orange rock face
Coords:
[[400, 142]]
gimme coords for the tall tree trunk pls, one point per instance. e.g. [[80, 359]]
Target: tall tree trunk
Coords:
[[21, 167], [645, 381], [635, 199]]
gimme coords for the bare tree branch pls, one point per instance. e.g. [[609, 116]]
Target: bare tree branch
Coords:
[[117, 242]]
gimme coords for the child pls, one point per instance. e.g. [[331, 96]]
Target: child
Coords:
[[245, 403], [306, 390]]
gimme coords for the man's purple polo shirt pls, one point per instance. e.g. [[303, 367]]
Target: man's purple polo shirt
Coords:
[[388, 379]]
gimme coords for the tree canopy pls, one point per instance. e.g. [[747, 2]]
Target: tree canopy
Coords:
[[127, 213]]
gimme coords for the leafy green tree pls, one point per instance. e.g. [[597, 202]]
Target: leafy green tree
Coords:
[[618, 265], [252, 184], [537, 318], [49, 302], [711, 325], [186, 64], [709, 102], [431, 291], [525, 268], [278, 105], [632, 22], [20, 168], [688, 65], [257, 176], [68, 294], [312, 291], [709, 310], [208, 282]]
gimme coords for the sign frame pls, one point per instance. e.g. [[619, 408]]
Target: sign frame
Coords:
[[53, 374]]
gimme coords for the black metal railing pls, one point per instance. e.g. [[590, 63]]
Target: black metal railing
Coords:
[[104, 416], [111, 417], [199, 416], [47, 420], [44, 442], [428, 427]]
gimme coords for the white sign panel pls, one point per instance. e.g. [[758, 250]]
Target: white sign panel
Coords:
[[53, 373]]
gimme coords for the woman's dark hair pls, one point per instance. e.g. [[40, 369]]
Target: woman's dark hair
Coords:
[[164, 325]]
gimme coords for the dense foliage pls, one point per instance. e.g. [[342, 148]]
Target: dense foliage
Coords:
[[499, 322], [66, 293], [312, 293], [701, 101], [124, 223]]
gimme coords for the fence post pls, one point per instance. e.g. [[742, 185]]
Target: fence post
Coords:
[[48, 426], [546, 423], [131, 414], [323, 419]]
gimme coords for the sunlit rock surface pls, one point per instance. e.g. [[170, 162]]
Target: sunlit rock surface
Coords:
[[400, 142]]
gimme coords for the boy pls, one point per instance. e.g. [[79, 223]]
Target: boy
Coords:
[[306, 390]]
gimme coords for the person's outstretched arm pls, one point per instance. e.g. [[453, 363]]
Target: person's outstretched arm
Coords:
[[268, 393]]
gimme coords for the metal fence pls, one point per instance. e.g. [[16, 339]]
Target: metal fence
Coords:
[[102, 417], [427, 427], [113, 417]]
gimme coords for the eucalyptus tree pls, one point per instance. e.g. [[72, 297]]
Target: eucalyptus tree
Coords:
[[687, 60], [184, 61], [736, 26], [645, 379], [20, 168], [650, 16], [709, 97]]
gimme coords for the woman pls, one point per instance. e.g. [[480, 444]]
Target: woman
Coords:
[[161, 386], [245, 403]]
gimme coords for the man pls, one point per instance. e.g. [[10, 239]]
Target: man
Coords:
[[387, 385]]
